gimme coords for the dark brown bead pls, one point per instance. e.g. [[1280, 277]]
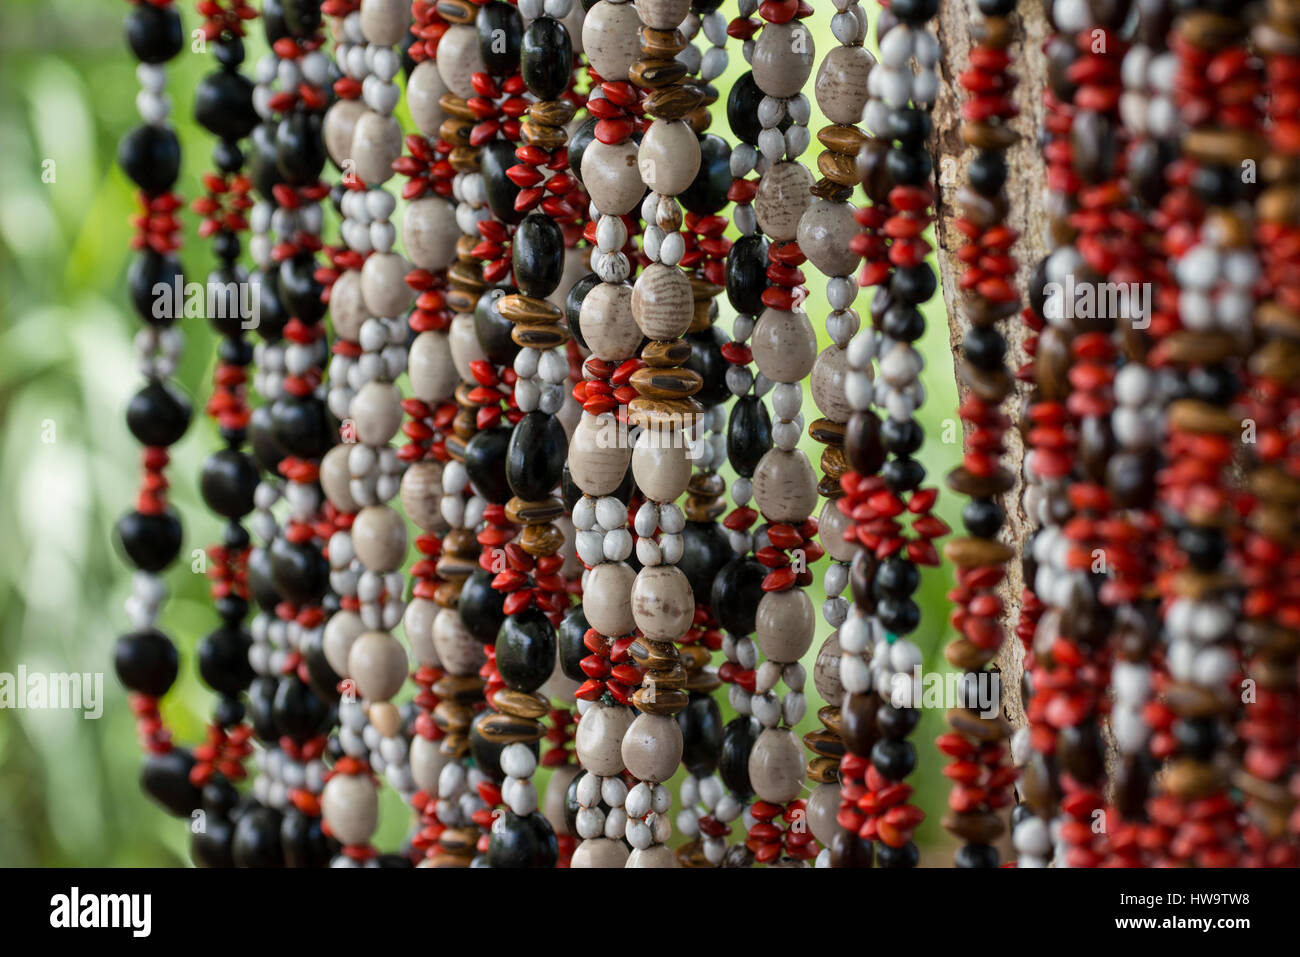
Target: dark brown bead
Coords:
[[859, 731]]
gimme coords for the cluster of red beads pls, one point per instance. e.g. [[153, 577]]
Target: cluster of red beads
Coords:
[[224, 16], [875, 512], [767, 839], [874, 807], [156, 226]]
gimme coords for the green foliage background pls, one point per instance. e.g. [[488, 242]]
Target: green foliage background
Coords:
[[68, 466]]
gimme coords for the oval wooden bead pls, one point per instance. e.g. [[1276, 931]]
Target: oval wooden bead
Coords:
[[662, 302], [433, 371], [458, 650], [611, 176], [784, 624], [829, 376], [607, 599], [429, 233], [377, 663], [776, 766], [663, 605], [783, 58], [424, 90], [343, 628], [831, 526], [347, 306], [609, 36], [785, 345], [350, 806], [785, 486], [598, 742], [465, 347], [379, 538], [660, 464], [784, 192], [383, 285], [336, 479], [385, 22], [421, 493], [652, 747], [417, 624], [376, 143], [340, 127], [598, 455], [841, 86], [607, 323], [826, 231], [669, 157], [458, 60], [376, 412]]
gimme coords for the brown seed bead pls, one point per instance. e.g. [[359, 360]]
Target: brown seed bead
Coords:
[[540, 541], [674, 102], [520, 704], [784, 192], [660, 383], [507, 729]]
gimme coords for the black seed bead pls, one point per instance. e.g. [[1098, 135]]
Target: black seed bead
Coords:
[[494, 159], [569, 491], [707, 360], [261, 705], [158, 414], [747, 274], [902, 475], [915, 12], [500, 34], [546, 58], [296, 709], [257, 838], [573, 305], [300, 148], [894, 758], [235, 351], [299, 290], [897, 858], [302, 18], [749, 434], [146, 662], [323, 679], [896, 578], [1216, 384], [736, 593], [1216, 185], [485, 461], [267, 451], [493, 329], [705, 550], [898, 615], [166, 778], [976, 856], [527, 841], [738, 740], [1205, 547], [707, 193], [301, 426], [537, 254], [909, 126], [303, 840], [155, 34], [984, 348], [907, 167], [223, 105], [151, 542], [273, 20], [742, 108], [261, 583], [300, 572], [535, 456], [901, 437], [897, 723], [864, 442], [229, 51], [151, 156], [271, 316], [223, 660], [987, 172], [481, 606], [226, 247], [228, 482], [913, 284], [583, 137], [983, 517], [1198, 738], [263, 167], [526, 650], [903, 323], [569, 636], [701, 725]]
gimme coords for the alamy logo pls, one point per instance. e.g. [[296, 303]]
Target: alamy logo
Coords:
[[1095, 300], [59, 691], [77, 910]]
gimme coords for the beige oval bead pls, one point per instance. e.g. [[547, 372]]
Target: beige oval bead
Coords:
[[662, 14], [599, 852], [662, 302], [831, 526], [785, 345], [841, 86], [826, 671], [784, 192], [427, 759], [465, 347], [376, 142], [385, 22], [598, 742], [652, 747], [417, 623], [658, 856], [607, 599], [383, 284], [607, 323], [824, 807], [829, 378], [598, 455], [460, 652], [825, 232], [340, 127], [376, 411], [660, 464], [557, 790], [609, 35], [343, 628], [785, 486], [379, 538], [611, 176], [432, 369], [784, 624], [423, 91], [669, 157], [783, 58], [776, 766], [429, 232], [385, 717], [662, 602], [421, 494], [458, 60], [347, 308], [336, 479], [377, 663], [350, 806]]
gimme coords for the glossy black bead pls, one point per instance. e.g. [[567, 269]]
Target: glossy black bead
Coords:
[[212, 846], [701, 724], [742, 109], [300, 148], [909, 126], [535, 456], [493, 329], [976, 856], [915, 12], [705, 550], [896, 578], [537, 254], [299, 290], [150, 541], [481, 606], [527, 841], [983, 517], [573, 304], [738, 740], [267, 451], [903, 323], [151, 156], [297, 711], [300, 572], [546, 58], [228, 481], [228, 712], [902, 475], [1216, 185], [223, 660], [984, 348], [146, 662], [1215, 384], [154, 33], [228, 306], [747, 274], [913, 284], [302, 18], [166, 778], [569, 637], [987, 172], [271, 317], [1198, 738], [707, 193], [894, 758], [485, 461], [223, 105], [897, 722], [323, 679], [257, 838], [735, 595], [749, 434], [494, 159], [526, 650], [303, 841], [261, 707], [707, 360], [1205, 547], [158, 414], [863, 443], [909, 167], [156, 285], [301, 426], [898, 615], [897, 858], [583, 137], [263, 166], [273, 20], [500, 34]]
